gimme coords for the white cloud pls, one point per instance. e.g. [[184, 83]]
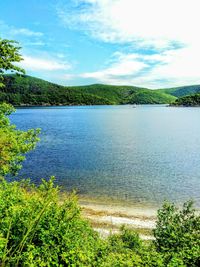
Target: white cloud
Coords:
[[43, 64], [164, 69], [179, 67], [122, 69], [156, 22], [13, 31], [169, 27], [25, 32], [123, 66], [35, 43]]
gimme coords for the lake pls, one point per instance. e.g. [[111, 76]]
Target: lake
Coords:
[[117, 153]]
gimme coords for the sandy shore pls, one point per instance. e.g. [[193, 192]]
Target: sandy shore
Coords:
[[107, 218]]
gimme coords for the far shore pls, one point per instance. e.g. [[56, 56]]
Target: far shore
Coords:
[[80, 105]]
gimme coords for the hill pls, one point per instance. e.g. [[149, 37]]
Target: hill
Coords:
[[27, 90], [128, 94], [188, 101], [181, 91]]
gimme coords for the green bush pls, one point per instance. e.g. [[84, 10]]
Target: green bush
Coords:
[[126, 239], [37, 230], [177, 234]]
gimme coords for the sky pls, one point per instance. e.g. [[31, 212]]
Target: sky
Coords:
[[146, 43]]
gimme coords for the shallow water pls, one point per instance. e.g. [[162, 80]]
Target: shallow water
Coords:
[[138, 155]]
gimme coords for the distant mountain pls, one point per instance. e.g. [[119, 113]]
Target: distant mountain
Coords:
[[181, 91], [27, 90]]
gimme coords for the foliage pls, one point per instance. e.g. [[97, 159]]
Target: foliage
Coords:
[[126, 239], [37, 230], [177, 234], [176, 244], [188, 101], [127, 249], [13, 143], [9, 53], [150, 97], [26, 90]]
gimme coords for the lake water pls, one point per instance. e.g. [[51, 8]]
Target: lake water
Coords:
[[139, 155]]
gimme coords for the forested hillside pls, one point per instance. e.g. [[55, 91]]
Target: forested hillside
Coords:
[[27, 90], [182, 91], [188, 101]]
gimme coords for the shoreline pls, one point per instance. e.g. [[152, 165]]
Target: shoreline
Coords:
[[88, 105], [107, 218]]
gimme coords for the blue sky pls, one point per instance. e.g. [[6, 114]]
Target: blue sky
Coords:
[[148, 43]]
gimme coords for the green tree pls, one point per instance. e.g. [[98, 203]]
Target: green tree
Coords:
[[38, 229], [9, 54], [13, 143], [177, 235]]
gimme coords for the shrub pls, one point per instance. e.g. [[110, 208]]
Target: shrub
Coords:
[[177, 234], [126, 239], [127, 249], [37, 230]]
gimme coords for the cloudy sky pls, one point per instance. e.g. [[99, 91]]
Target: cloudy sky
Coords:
[[149, 43]]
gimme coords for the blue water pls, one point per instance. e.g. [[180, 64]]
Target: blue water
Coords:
[[142, 155]]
